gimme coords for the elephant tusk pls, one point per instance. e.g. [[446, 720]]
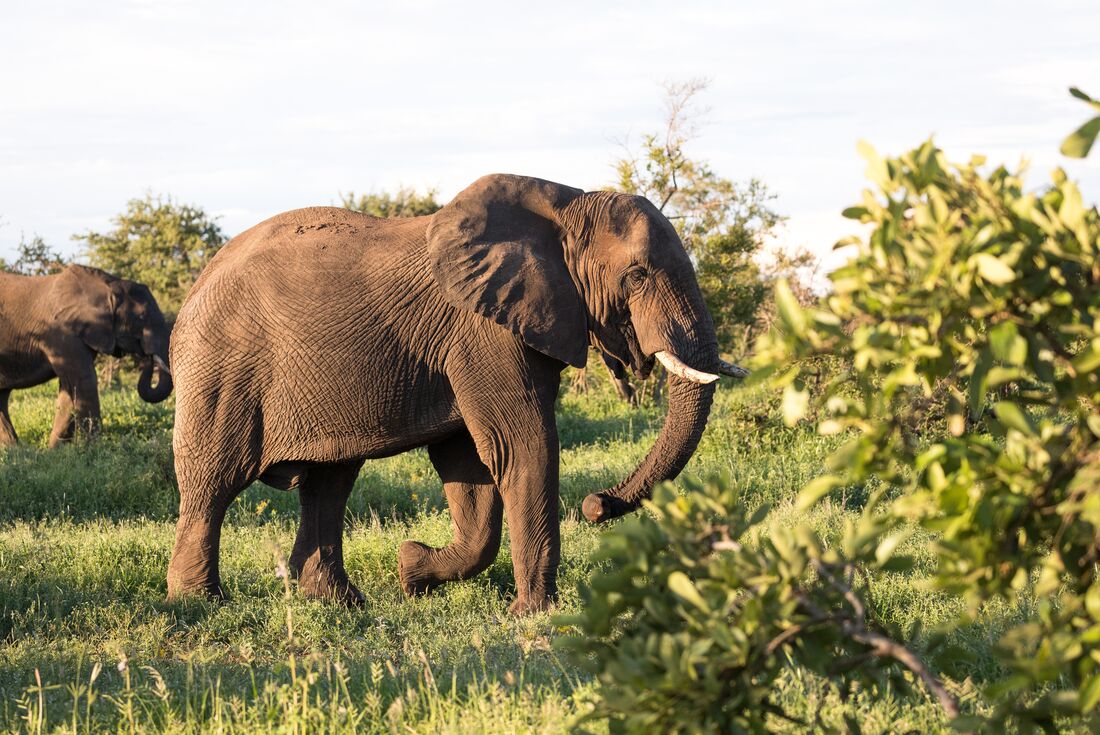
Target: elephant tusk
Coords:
[[676, 366], [734, 371], [161, 365]]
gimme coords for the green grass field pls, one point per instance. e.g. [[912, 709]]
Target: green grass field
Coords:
[[88, 643]]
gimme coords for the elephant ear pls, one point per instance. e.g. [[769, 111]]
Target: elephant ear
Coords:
[[86, 299], [496, 250]]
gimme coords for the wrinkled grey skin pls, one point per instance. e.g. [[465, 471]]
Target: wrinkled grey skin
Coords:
[[322, 338], [54, 326]]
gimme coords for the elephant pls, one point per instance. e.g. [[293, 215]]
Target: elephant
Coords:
[[322, 338], [55, 325]]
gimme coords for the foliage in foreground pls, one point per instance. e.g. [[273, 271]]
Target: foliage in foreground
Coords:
[[697, 616], [967, 326], [972, 287]]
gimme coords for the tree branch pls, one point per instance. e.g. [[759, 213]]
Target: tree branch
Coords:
[[881, 645]]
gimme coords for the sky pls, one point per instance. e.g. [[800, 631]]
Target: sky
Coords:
[[251, 108]]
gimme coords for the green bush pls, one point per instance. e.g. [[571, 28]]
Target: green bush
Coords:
[[974, 296], [696, 616], [971, 284]]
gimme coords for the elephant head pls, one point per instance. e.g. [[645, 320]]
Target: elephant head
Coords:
[[118, 317], [565, 269]]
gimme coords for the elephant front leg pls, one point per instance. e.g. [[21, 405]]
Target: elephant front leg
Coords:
[[64, 420], [530, 493], [517, 439], [476, 516], [7, 431], [318, 557]]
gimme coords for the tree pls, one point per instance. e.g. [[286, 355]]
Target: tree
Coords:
[[405, 202], [722, 224], [157, 242], [35, 258]]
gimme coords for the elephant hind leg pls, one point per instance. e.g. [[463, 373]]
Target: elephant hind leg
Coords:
[[318, 557], [7, 431], [476, 516], [204, 500]]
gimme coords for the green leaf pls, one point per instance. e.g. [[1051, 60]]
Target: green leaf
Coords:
[[889, 544], [795, 403], [790, 312], [1090, 694], [977, 388], [759, 515], [682, 586], [1013, 416], [898, 563], [1089, 359], [993, 269], [1074, 91], [1092, 601], [877, 170], [967, 723], [1078, 143], [1007, 344], [815, 490]]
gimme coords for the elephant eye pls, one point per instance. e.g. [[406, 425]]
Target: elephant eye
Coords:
[[634, 279]]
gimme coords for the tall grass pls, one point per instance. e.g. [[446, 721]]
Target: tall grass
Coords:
[[87, 641]]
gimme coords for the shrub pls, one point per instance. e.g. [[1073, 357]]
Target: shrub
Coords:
[[970, 287], [973, 284], [696, 616]]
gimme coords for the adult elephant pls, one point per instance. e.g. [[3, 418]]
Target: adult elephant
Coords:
[[322, 337], [54, 326]]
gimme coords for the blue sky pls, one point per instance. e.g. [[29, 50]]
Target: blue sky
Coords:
[[251, 108]]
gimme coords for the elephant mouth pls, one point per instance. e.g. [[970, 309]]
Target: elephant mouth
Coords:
[[638, 361]]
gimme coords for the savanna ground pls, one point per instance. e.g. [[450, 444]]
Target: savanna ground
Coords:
[[88, 643]]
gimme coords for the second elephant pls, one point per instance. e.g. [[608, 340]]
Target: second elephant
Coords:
[[54, 326], [322, 338]]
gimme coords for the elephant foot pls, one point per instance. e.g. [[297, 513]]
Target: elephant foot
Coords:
[[533, 604], [325, 582], [414, 569], [295, 564], [206, 590]]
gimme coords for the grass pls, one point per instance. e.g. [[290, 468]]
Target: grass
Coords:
[[88, 643]]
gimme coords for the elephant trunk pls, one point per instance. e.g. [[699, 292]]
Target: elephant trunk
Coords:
[[688, 408], [155, 347]]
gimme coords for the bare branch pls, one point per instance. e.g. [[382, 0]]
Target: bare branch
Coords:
[[881, 645], [884, 646]]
